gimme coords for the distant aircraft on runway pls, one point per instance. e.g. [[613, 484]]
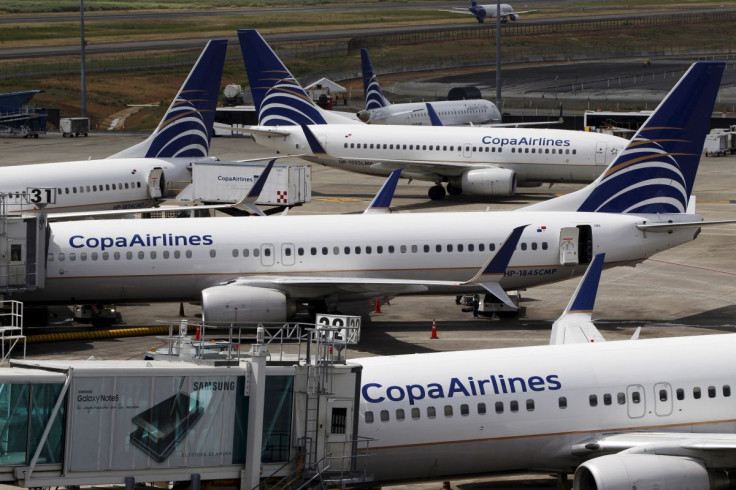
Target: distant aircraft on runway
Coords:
[[473, 161], [140, 175], [378, 110], [483, 12]]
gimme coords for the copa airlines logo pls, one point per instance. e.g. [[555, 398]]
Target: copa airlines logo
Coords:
[[137, 240], [183, 132], [456, 387], [524, 141], [286, 103], [645, 178], [373, 96]]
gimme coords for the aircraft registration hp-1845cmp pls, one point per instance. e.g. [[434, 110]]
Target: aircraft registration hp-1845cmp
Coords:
[[137, 176], [472, 161], [619, 415], [246, 270]]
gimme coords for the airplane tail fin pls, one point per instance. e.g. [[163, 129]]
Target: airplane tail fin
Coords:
[[187, 127], [279, 98], [374, 98], [574, 325], [433, 117], [656, 171]]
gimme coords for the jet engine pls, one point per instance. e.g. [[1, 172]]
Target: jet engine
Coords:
[[514, 17], [237, 304], [486, 182], [618, 471]]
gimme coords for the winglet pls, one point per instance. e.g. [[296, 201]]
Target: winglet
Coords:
[[575, 325], [382, 202], [187, 127], [249, 202], [433, 117], [490, 275], [314, 144]]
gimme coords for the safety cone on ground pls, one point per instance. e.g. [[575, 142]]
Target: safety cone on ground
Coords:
[[377, 309], [434, 330]]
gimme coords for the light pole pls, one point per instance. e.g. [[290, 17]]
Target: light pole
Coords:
[[83, 64], [499, 104]]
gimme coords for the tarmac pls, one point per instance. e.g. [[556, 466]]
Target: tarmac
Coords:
[[688, 290]]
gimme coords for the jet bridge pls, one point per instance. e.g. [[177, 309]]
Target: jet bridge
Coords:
[[22, 241], [199, 410]]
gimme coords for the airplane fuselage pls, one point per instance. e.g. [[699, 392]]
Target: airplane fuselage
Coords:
[[536, 408], [91, 185], [534, 155], [175, 259], [450, 112]]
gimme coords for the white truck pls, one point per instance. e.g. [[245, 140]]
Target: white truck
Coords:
[[289, 184], [74, 126]]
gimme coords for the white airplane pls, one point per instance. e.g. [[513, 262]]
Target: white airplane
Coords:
[[262, 269], [378, 110], [473, 161], [140, 175], [483, 12], [619, 415]]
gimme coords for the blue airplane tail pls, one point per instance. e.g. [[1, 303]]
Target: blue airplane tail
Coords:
[[279, 98], [656, 171], [187, 127], [374, 98]]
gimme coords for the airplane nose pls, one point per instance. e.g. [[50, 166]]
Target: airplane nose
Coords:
[[364, 116]]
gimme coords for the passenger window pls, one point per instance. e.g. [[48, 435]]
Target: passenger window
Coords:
[[256, 252], [116, 255], [83, 256], [636, 397], [153, 254], [711, 392], [166, 254], [346, 250], [431, 412], [514, 406], [369, 417], [481, 247], [438, 248], [177, 254], [287, 252], [188, 254], [481, 409], [663, 395], [425, 248], [680, 394], [593, 400], [399, 414], [607, 399], [390, 249], [491, 247], [266, 252], [325, 251], [523, 246], [94, 256], [403, 249], [368, 249], [235, 252], [499, 407], [129, 255], [530, 405], [72, 257], [61, 257], [449, 247], [213, 253], [562, 402], [105, 256], [384, 413], [141, 254], [470, 247], [336, 250], [357, 250], [414, 249], [415, 413], [448, 410], [696, 393], [379, 249], [246, 252], [460, 247], [544, 245], [534, 245], [50, 258], [464, 409], [726, 390]]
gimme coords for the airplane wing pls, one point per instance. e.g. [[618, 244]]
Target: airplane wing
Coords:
[[414, 168], [458, 10], [356, 288], [525, 12]]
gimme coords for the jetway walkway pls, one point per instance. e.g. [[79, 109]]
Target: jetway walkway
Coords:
[[204, 409]]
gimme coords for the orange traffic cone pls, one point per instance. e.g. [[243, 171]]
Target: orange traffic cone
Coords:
[[377, 309], [434, 330]]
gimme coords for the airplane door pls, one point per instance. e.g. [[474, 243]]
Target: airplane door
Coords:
[[662, 399], [600, 152], [13, 267], [287, 254], [267, 255], [569, 246], [467, 150], [339, 437], [155, 183], [636, 402]]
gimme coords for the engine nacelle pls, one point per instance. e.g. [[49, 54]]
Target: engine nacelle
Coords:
[[645, 471], [236, 304], [514, 17], [487, 182]]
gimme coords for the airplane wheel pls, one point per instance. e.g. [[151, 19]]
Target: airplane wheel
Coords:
[[436, 193], [454, 190]]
